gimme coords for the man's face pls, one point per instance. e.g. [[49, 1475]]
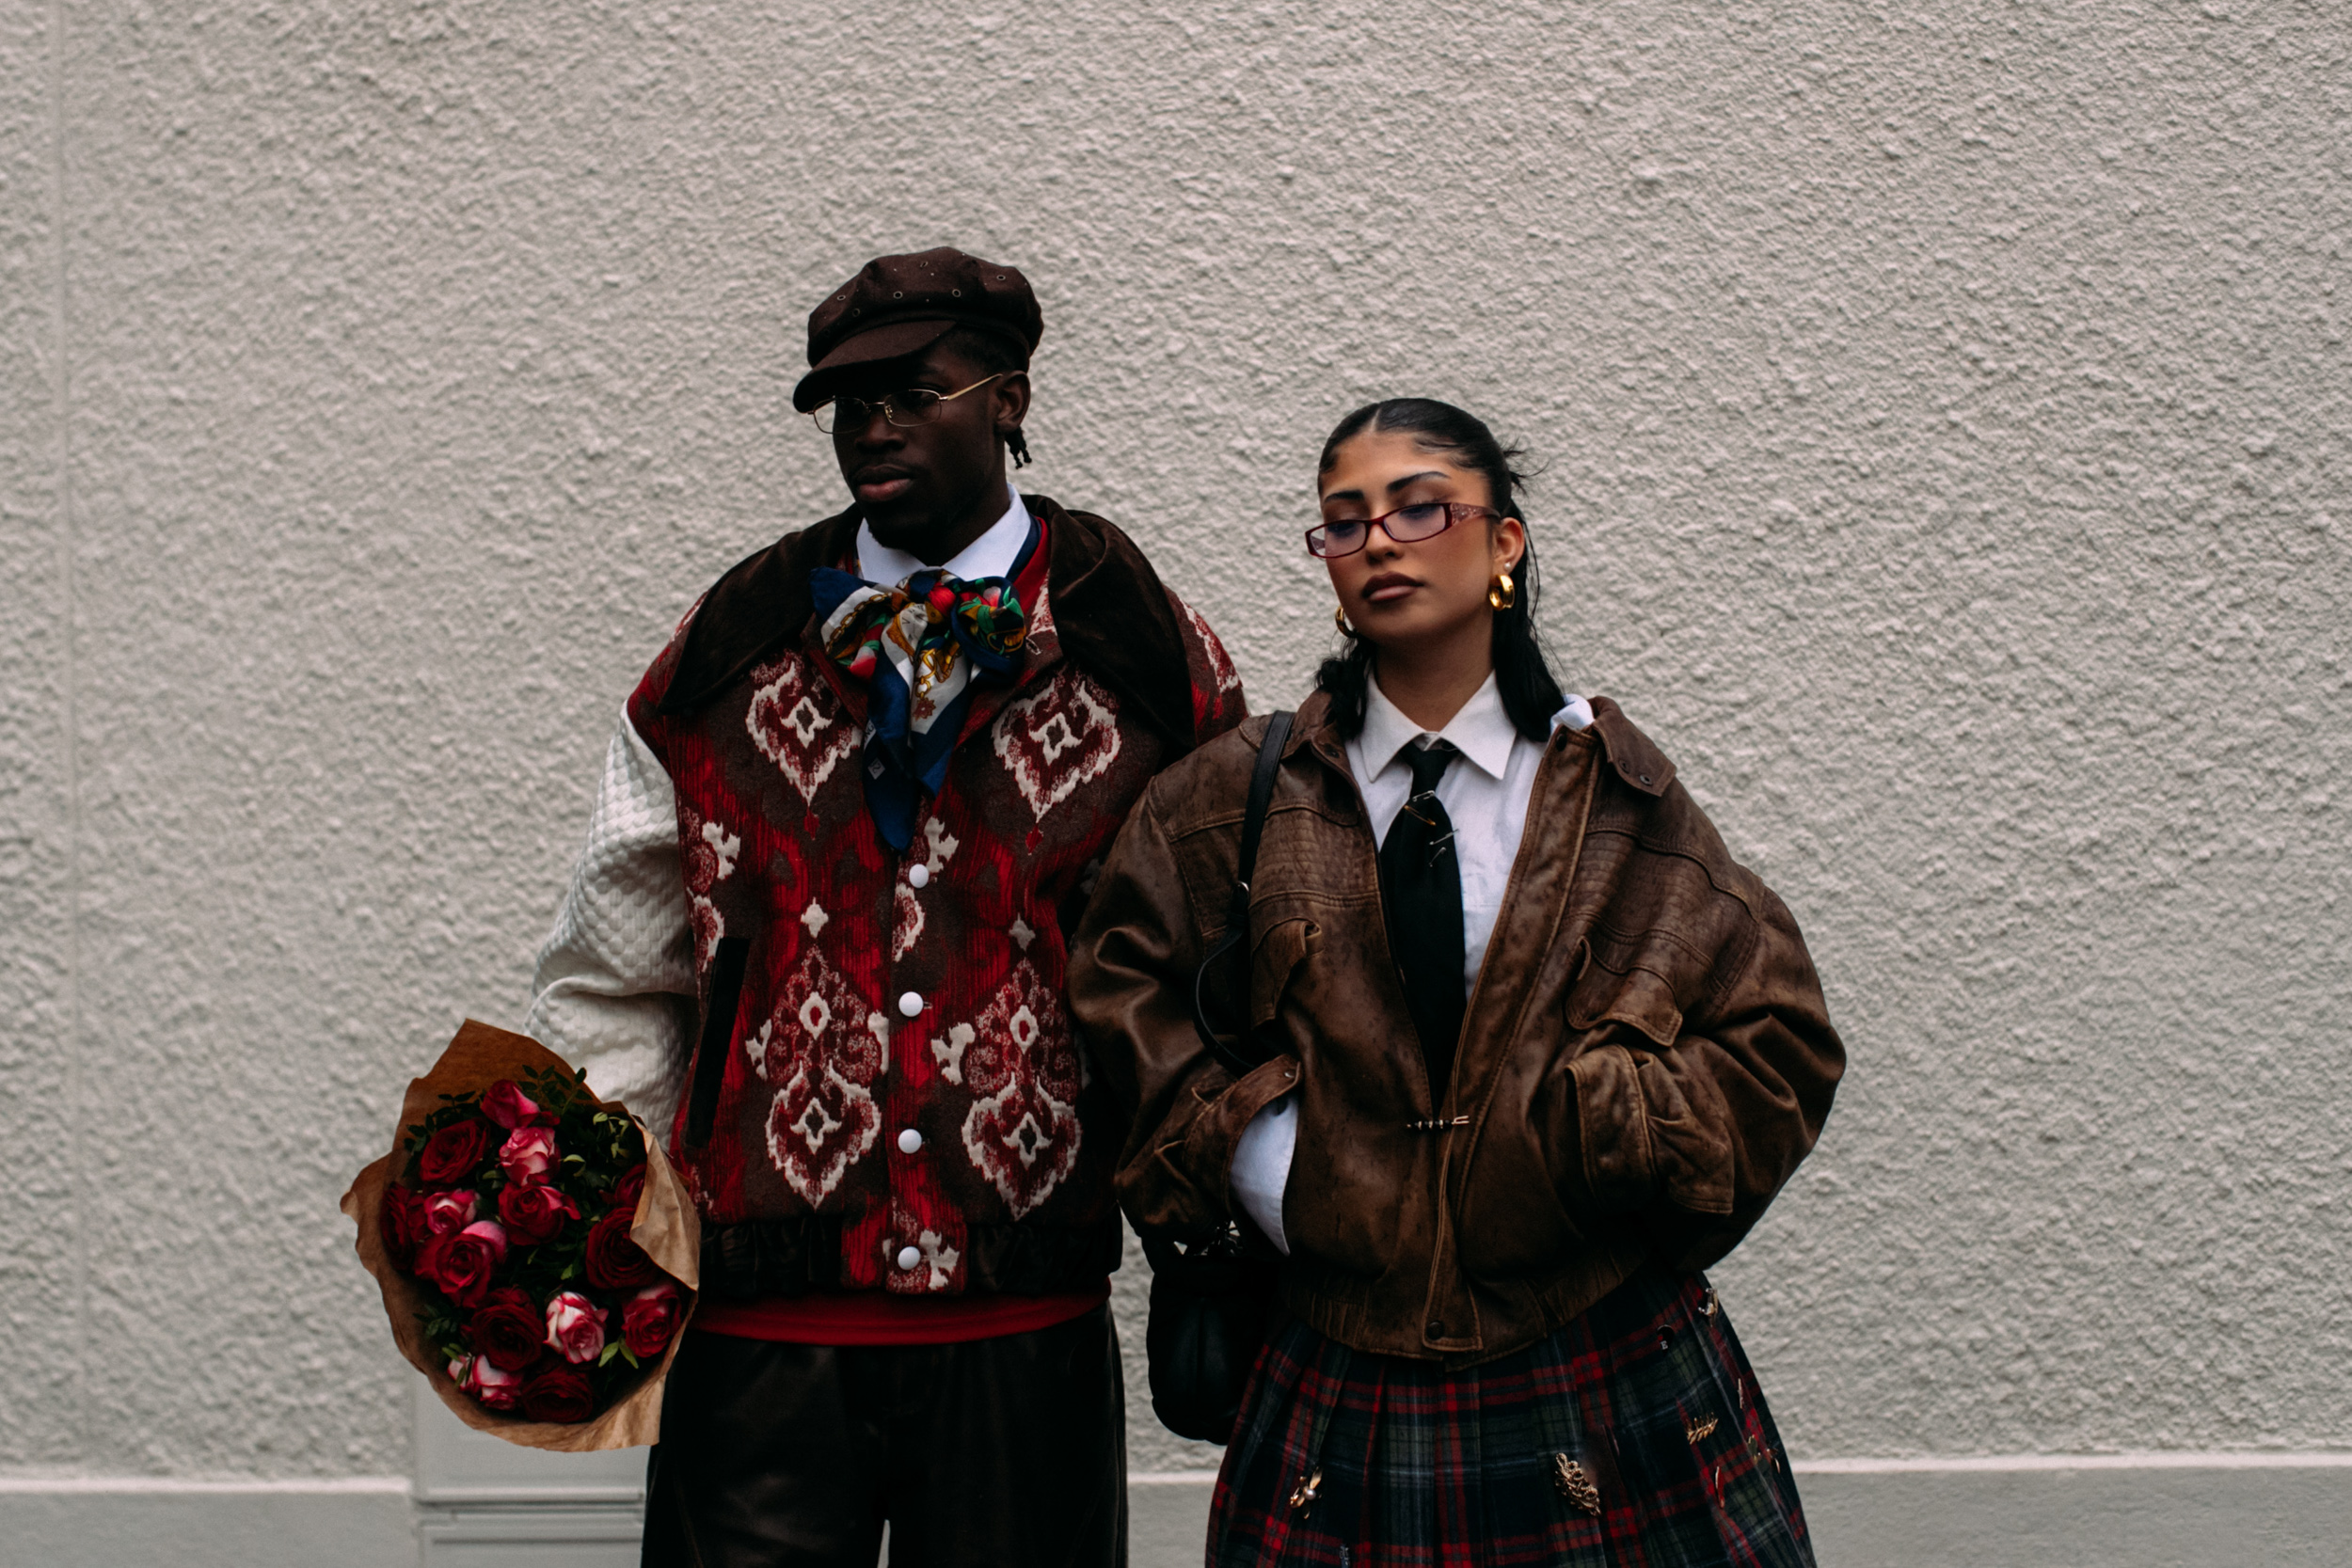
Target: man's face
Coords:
[[916, 484]]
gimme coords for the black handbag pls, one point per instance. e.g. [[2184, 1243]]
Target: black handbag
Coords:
[[1210, 1295]]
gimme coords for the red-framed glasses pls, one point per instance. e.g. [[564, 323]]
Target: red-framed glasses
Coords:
[[1406, 525]]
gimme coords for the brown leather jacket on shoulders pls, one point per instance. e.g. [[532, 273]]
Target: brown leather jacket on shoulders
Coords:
[[1644, 1059]]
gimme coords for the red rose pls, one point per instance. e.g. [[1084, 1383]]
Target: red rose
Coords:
[[450, 1155], [399, 1227], [462, 1264], [445, 1213], [535, 1214], [613, 1262], [631, 1187], [506, 1329], [529, 1154], [507, 1105], [558, 1394], [649, 1320]]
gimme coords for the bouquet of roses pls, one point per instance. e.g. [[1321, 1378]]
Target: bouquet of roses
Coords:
[[534, 1248]]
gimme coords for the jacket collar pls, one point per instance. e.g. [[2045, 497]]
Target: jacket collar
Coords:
[[1636, 759], [1110, 610]]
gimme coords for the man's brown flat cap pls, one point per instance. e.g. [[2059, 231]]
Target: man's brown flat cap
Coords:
[[899, 306]]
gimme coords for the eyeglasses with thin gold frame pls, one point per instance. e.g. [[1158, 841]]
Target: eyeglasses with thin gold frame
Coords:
[[1406, 525], [906, 409]]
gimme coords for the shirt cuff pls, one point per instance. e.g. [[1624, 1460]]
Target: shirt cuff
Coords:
[[1262, 1166]]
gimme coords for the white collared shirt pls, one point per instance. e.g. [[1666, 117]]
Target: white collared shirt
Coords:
[[991, 555], [1486, 795]]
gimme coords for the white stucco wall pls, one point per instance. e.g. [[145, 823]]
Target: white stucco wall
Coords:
[[1943, 409]]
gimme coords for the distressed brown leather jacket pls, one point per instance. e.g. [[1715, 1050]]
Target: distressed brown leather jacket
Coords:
[[1644, 1059]]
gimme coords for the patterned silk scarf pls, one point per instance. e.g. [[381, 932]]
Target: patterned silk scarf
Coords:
[[918, 649]]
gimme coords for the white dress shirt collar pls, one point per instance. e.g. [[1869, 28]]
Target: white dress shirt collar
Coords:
[[1481, 731], [991, 555]]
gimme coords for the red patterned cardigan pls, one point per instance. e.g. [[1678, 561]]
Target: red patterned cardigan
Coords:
[[885, 1090]]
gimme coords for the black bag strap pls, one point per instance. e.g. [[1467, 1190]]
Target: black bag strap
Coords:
[[1277, 734], [1233, 1053]]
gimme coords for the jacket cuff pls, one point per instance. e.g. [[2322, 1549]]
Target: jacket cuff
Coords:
[[1210, 1140]]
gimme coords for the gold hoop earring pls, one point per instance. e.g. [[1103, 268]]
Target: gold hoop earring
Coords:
[[1504, 594], [1338, 619]]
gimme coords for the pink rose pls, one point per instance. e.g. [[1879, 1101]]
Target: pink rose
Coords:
[[535, 1214], [575, 1328], [495, 1386], [446, 1214], [528, 1155], [507, 1105], [462, 1265], [490, 1234], [649, 1320]]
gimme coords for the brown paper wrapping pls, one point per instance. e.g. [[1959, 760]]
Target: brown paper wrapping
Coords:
[[667, 1227]]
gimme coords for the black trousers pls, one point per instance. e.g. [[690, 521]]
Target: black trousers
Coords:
[[996, 1451]]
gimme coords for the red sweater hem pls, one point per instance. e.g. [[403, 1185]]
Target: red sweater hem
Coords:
[[876, 1317]]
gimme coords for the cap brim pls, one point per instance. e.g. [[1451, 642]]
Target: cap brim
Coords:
[[898, 340]]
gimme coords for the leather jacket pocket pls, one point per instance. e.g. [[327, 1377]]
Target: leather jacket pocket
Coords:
[[1610, 988], [1274, 958]]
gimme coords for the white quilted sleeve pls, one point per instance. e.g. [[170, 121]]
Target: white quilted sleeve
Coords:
[[614, 991]]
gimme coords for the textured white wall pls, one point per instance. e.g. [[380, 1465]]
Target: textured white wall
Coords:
[[1944, 410]]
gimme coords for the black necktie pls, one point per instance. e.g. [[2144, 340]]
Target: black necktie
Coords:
[[1421, 886]]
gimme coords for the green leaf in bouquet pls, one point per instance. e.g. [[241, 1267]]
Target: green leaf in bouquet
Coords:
[[571, 1271], [630, 1356], [443, 1329], [610, 1352]]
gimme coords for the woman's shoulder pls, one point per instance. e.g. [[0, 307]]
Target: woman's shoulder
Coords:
[[1646, 802], [1633, 755], [1209, 784]]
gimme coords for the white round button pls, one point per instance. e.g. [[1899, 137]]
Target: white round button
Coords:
[[918, 875], [909, 1257], [911, 1004], [910, 1142]]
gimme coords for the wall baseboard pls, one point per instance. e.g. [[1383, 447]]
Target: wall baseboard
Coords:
[[2109, 1510], [2167, 1511], [133, 1522]]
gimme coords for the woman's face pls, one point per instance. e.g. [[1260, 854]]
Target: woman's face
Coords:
[[1429, 592]]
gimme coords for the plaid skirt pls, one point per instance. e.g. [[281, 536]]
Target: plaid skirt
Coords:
[[1633, 1437]]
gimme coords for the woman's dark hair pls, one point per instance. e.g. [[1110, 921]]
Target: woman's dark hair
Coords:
[[1522, 679]]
